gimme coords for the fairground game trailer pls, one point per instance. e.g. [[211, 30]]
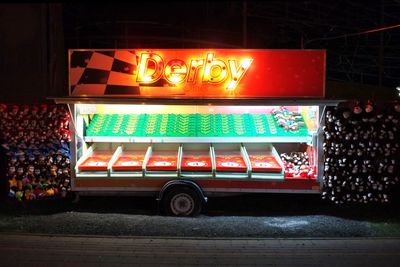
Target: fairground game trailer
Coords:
[[187, 124]]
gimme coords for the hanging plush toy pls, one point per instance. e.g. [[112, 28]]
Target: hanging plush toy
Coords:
[[65, 135], [30, 173], [29, 195], [19, 177], [53, 173], [11, 172], [397, 107], [19, 195], [43, 109], [3, 108], [41, 161], [346, 114], [50, 192], [13, 183], [14, 110], [369, 107], [21, 161]]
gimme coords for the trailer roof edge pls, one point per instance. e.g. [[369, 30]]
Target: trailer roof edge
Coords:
[[203, 101]]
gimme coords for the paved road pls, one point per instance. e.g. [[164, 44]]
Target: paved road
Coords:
[[43, 250], [254, 216]]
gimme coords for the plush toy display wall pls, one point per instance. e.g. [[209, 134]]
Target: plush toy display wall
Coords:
[[37, 140], [362, 153]]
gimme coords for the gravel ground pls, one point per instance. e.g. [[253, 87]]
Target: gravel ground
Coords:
[[241, 216]]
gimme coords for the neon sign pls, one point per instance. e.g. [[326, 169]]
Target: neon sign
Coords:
[[197, 73], [212, 70]]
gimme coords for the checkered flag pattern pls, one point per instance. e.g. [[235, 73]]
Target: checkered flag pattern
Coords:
[[103, 73]]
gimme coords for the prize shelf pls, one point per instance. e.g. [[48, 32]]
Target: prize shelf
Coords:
[[220, 161], [191, 128]]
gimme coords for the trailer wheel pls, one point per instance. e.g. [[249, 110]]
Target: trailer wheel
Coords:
[[182, 201]]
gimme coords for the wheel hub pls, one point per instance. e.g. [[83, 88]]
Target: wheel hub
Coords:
[[182, 204]]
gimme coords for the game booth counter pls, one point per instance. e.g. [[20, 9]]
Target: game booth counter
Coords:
[[187, 124]]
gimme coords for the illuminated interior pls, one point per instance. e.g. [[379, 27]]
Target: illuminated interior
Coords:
[[243, 134]]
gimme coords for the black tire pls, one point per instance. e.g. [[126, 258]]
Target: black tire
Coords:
[[182, 201]]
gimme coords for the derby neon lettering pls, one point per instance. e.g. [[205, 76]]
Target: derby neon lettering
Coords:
[[212, 70]]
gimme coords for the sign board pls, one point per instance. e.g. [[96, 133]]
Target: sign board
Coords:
[[197, 73]]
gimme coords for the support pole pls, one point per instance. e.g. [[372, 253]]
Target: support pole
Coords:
[[244, 25], [381, 47]]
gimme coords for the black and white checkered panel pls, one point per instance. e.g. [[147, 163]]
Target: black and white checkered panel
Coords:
[[97, 73]]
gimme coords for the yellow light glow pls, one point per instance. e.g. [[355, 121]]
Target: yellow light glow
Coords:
[[215, 70], [175, 79], [146, 75], [152, 67], [195, 65], [246, 63], [232, 85], [146, 79], [175, 71], [207, 69], [237, 73]]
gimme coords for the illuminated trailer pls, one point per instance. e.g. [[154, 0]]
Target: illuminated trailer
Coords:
[[184, 125]]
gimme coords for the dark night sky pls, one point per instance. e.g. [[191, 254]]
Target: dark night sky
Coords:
[[35, 37], [272, 24]]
